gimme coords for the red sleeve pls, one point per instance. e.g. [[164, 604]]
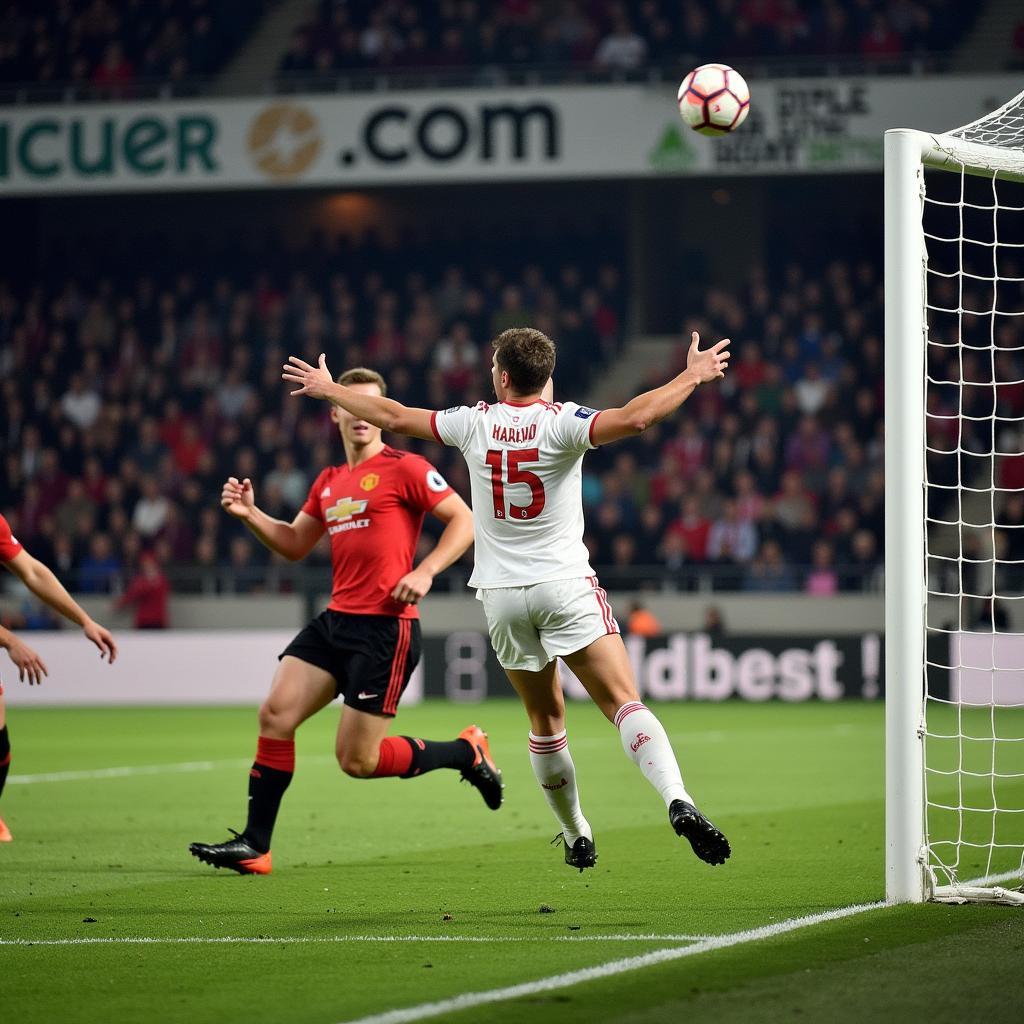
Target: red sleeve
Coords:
[[10, 547], [311, 506], [424, 485]]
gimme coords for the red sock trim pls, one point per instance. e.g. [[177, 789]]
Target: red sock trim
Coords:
[[279, 754], [395, 757], [6, 761]]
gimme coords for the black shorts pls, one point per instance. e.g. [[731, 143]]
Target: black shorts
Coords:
[[372, 657]]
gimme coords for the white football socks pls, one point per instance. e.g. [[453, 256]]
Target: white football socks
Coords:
[[552, 764], [646, 744]]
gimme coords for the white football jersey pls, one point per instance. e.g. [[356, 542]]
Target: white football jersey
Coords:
[[525, 468]]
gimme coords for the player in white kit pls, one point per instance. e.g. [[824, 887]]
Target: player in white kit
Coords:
[[532, 571]]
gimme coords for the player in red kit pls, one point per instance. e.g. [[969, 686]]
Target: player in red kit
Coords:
[[365, 646], [42, 582]]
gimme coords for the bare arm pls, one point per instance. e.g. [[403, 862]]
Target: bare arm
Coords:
[[292, 540], [653, 406], [29, 663], [453, 542], [42, 582], [386, 413]]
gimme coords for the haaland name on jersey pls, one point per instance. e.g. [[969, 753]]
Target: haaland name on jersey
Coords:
[[513, 435]]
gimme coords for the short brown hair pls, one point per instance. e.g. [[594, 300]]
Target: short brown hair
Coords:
[[361, 375], [527, 356]]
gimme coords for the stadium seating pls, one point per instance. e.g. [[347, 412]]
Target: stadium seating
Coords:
[[154, 390], [103, 49], [611, 36], [107, 49]]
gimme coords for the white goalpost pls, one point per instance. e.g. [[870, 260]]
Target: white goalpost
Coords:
[[954, 518]]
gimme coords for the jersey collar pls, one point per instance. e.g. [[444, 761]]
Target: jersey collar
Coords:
[[523, 405]]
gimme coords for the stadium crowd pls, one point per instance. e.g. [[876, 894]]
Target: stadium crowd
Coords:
[[126, 404], [108, 46], [611, 35]]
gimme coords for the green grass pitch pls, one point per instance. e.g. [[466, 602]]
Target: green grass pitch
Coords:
[[798, 789]]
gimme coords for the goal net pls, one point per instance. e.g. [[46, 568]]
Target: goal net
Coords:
[[955, 510]]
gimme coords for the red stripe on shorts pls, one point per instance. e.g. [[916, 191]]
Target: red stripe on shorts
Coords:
[[610, 625], [398, 667]]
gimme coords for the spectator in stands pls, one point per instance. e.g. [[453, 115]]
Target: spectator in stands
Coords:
[[149, 593], [100, 570], [151, 510], [115, 72], [642, 621], [822, 580], [81, 404], [768, 571], [693, 529], [714, 622]]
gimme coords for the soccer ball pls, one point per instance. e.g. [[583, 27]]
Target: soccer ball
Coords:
[[714, 99]]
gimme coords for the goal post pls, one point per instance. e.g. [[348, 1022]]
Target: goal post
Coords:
[[904, 514], [954, 526]]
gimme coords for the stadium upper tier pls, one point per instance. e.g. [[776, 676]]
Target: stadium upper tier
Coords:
[[127, 401], [107, 49]]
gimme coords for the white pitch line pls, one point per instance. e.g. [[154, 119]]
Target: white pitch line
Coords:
[[607, 970], [130, 771], [201, 940]]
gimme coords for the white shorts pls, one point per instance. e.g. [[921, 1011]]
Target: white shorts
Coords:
[[530, 626]]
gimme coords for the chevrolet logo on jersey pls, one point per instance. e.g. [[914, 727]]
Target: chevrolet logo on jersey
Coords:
[[344, 509]]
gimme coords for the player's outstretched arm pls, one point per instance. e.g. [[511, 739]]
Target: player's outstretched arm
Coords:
[[29, 664], [292, 540], [386, 413], [653, 406], [453, 542], [42, 582]]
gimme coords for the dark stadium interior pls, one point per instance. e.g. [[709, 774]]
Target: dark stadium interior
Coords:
[[99, 49]]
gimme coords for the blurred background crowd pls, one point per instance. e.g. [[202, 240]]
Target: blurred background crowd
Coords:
[[102, 48], [127, 401], [611, 35]]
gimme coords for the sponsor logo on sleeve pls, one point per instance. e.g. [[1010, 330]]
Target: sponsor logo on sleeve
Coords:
[[585, 412], [436, 482]]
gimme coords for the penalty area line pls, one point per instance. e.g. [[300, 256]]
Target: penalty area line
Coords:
[[203, 940], [469, 1000]]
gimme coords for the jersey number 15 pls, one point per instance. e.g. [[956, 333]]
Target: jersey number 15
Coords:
[[506, 468]]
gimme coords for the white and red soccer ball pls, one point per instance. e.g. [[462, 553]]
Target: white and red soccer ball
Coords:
[[714, 99]]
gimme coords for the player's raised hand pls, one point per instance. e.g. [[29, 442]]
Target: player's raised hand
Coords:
[[710, 364], [30, 665], [102, 638], [312, 380], [413, 586], [237, 498]]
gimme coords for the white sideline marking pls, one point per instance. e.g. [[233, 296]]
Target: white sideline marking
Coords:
[[130, 771], [471, 999], [180, 768], [201, 940]]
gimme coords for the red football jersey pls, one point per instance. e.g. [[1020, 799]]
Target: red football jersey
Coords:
[[374, 515], [9, 544]]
